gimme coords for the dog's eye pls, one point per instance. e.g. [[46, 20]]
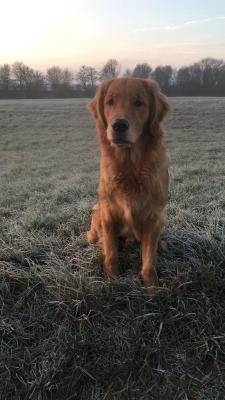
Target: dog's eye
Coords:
[[138, 103], [110, 102]]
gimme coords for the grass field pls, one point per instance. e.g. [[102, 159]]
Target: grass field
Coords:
[[66, 332]]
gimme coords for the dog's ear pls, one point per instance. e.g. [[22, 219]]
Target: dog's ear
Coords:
[[96, 106], [160, 106]]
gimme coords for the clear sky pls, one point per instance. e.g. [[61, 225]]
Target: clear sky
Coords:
[[70, 33]]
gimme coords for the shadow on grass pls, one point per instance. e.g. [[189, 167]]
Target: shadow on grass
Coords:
[[75, 334], [185, 251]]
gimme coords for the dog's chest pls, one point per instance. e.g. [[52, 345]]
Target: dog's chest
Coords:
[[132, 196], [132, 204], [131, 214]]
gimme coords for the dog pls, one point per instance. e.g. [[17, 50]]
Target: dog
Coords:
[[133, 185]]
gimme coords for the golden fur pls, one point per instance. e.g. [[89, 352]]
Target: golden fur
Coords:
[[133, 171]]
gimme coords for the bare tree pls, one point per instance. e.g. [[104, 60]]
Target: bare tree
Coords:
[[20, 71], [163, 75], [67, 78], [60, 80], [128, 73], [35, 81], [27, 78], [5, 71], [83, 77], [87, 77], [110, 70], [142, 71], [204, 78], [93, 76], [54, 77], [183, 80], [212, 71]]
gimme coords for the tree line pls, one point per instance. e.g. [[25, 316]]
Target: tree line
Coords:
[[203, 78]]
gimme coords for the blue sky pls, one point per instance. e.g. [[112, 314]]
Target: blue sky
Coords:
[[75, 32]]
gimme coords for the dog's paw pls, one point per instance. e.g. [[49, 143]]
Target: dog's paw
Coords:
[[92, 236], [150, 282]]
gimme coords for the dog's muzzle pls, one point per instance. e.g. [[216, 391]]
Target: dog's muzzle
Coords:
[[120, 127]]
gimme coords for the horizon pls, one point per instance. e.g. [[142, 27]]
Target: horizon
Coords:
[[75, 33], [122, 68]]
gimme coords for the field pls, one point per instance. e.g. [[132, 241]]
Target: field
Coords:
[[66, 331]]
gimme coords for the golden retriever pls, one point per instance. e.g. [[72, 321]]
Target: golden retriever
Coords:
[[133, 183]]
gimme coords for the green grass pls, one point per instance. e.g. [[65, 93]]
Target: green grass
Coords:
[[66, 331]]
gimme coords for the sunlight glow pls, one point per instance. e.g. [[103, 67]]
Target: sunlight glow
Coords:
[[71, 33]]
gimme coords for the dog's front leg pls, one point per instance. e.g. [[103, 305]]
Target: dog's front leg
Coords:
[[110, 248], [149, 245]]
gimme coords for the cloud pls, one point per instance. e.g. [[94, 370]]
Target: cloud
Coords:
[[174, 45], [156, 28], [175, 27], [134, 50], [201, 20], [187, 45], [197, 21]]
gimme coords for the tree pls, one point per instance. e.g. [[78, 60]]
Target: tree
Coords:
[[212, 71], [83, 77], [93, 76], [27, 78], [163, 75], [204, 78], [110, 70], [128, 73], [66, 78], [183, 81], [5, 71], [87, 77], [35, 81], [142, 71], [20, 71], [60, 80], [54, 77]]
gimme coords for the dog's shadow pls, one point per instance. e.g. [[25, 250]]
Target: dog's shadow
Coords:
[[183, 251]]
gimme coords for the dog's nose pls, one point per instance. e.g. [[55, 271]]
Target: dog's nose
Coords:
[[120, 125]]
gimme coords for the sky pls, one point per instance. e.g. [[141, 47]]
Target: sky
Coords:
[[70, 33]]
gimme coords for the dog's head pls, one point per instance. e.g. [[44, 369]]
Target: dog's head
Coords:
[[128, 108]]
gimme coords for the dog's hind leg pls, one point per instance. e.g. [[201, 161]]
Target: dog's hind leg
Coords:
[[93, 235]]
